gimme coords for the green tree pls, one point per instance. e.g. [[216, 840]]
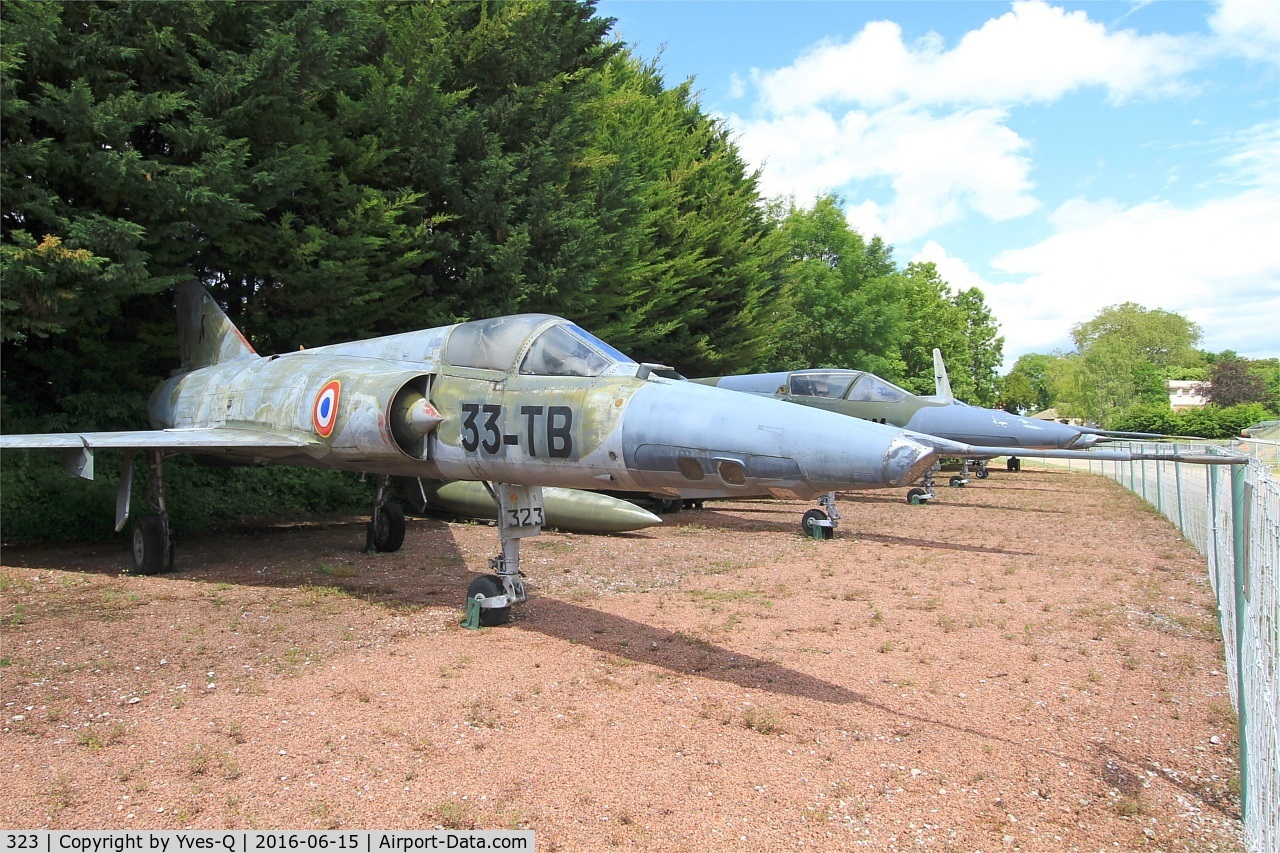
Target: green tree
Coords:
[[1161, 338], [985, 346], [692, 271], [845, 296], [1026, 388], [1121, 356]]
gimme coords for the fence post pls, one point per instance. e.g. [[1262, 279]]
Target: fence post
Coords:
[[1239, 554], [1177, 479], [1159, 489]]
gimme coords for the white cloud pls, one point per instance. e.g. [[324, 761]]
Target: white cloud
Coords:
[[1250, 28], [1217, 264], [938, 167], [924, 129], [1035, 53]]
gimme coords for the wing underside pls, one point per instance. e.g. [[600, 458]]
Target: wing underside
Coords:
[[78, 447]]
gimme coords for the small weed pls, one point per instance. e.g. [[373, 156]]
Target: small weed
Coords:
[[453, 816], [886, 647], [762, 720], [62, 793], [481, 714], [1129, 807], [96, 737], [338, 571]]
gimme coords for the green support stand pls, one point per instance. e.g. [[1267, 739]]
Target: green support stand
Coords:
[[472, 620]]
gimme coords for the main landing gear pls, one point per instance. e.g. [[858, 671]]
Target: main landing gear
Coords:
[[385, 530], [489, 597], [822, 523], [152, 541]]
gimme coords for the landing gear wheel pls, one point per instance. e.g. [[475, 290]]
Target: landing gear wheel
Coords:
[[807, 520], [489, 586], [1013, 464], [387, 528], [669, 505], [982, 473], [916, 496], [957, 482], [152, 552]]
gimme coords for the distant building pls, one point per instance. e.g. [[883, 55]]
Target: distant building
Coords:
[[1186, 394]]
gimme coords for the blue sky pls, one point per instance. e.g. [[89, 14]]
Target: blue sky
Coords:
[[1062, 157]]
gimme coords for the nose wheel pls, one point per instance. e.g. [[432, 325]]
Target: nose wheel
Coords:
[[924, 492], [489, 597], [822, 523]]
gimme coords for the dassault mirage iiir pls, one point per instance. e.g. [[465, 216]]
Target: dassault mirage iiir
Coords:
[[518, 402]]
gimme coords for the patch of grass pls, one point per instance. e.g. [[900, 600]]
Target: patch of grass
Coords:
[[481, 714], [453, 816], [338, 571], [100, 737], [762, 720], [1127, 806]]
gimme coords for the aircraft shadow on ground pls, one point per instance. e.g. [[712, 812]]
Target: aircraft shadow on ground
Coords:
[[443, 582]]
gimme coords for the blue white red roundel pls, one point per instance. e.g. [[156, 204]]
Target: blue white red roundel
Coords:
[[324, 414]]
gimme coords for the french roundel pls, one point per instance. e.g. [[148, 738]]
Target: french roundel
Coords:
[[324, 414]]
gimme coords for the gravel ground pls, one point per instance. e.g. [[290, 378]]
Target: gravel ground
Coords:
[[1031, 662]]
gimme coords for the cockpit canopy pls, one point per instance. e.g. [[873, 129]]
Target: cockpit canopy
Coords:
[[835, 385], [533, 345]]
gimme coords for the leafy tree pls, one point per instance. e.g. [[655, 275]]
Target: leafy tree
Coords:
[[985, 346], [1121, 356], [845, 295], [1026, 388], [692, 269], [1161, 338], [1148, 385], [1232, 382]]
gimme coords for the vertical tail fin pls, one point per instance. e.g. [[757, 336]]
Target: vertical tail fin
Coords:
[[941, 384], [206, 334]]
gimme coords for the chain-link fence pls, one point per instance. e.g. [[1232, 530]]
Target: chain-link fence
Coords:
[[1231, 513]]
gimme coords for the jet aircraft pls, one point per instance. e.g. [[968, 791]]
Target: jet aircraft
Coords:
[[518, 402], [987, 432]]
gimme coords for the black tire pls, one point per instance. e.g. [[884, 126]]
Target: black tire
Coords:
[[489, 586], [667, 506], [982, 473], [957, 482], [807, 520], [916, 496], [387, 528], [1013, 464], [152, 551]]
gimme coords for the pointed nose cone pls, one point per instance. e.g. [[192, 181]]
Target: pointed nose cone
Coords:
[[906, 461], [701, 439], [994, 428]]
